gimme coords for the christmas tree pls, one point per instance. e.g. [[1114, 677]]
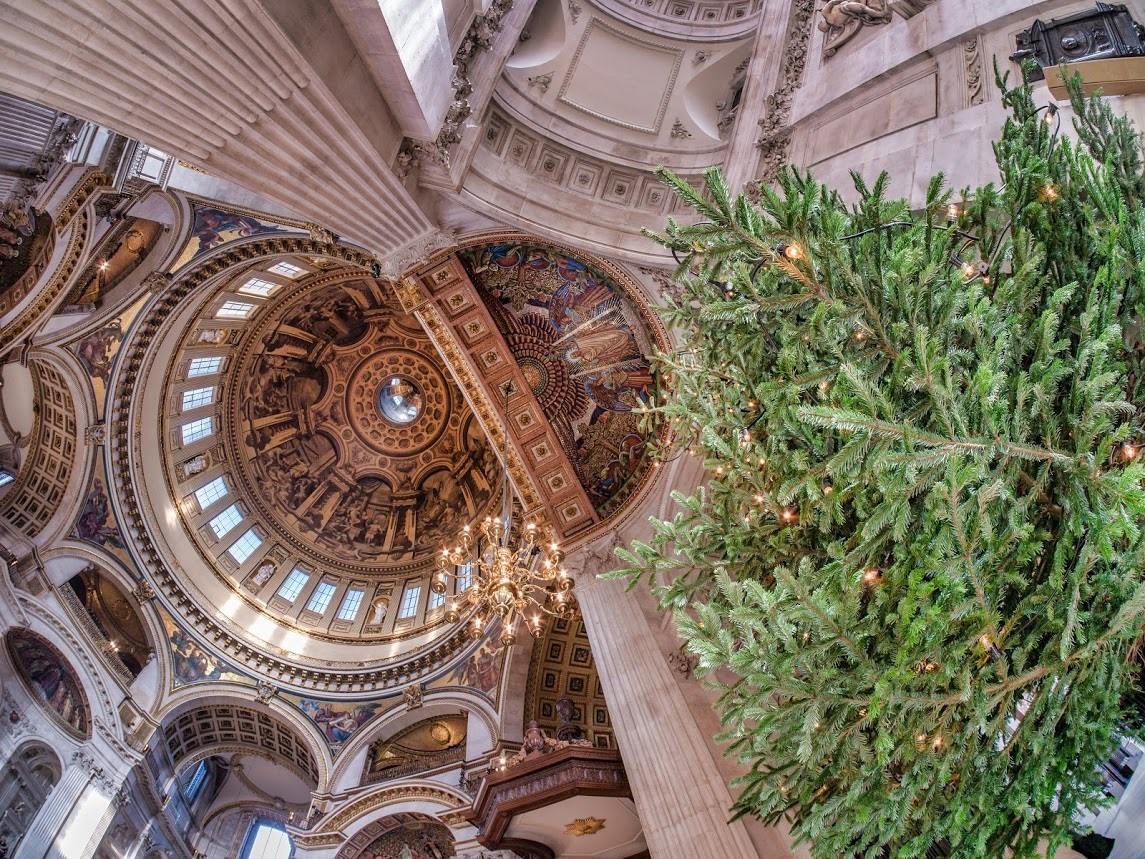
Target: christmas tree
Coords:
[[919, 547]]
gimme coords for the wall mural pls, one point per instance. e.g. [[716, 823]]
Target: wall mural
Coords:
[[339, 721], [51, 679], [216, 226], [583, 349], [96, 521], [190, 663], [481, 671], [96, 351], [345, 477], [416, 839]]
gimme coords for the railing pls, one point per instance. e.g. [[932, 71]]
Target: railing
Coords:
[[104, 647]]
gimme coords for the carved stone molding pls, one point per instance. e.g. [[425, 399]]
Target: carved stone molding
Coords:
[[843, 19], [909, 8], [776, 134], [352, 811], [975, 81], [416, 252], [572, 771], [478, 38]]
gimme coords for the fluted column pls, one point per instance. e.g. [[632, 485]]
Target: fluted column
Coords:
[[682, 799], [76, 814], [54, 812], [268, 96]]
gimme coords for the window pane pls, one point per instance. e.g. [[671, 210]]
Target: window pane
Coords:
[[350, 605], [196, 397], [258, 286], [5, 478], [268, 842], [244, 546], [235, 310], [320, 599], [436, 600], [285, 269], [464, 577], [212, 492], [225, 521], [196, 782], [205, 366], [196, 430], [409, 602], [294, 584]]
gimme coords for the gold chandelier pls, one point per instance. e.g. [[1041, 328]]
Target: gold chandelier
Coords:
[[519, 584]]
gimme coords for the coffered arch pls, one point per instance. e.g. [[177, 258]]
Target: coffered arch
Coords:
[[199, 730]]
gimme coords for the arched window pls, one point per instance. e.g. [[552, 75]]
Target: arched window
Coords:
[[267, 840], [195, 781], [31, 773]]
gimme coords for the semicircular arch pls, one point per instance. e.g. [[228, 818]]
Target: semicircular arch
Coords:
[[296, 744]]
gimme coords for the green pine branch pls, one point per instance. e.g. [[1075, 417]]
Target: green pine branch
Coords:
[[918, 551]]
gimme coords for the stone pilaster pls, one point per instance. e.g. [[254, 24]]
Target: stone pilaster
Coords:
[[682, 799], [79, 809], [54, 812]]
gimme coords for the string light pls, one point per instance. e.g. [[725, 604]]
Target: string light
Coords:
[[793, 251], [1050, 192], [871, 576], [828, 487]]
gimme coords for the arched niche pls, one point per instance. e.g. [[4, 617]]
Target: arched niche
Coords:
[[401, 836], [480, 735], [197, 697], [438, 741], [25, 783], [713, 95], [27, 242], [546, 29], [115, 623], [51, 680], [562, 666]]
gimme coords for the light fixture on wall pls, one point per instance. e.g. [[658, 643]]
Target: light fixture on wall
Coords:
[[514, 575]]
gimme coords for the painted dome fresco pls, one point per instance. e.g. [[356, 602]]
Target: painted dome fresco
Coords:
[[349, 435], [582, 344], [319, 451]]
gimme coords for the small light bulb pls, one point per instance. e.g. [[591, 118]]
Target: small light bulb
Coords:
[[969, 270], [1051, 192], [793, 251], [952, 211]]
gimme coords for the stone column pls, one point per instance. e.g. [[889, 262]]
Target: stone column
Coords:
[[75, 816], [54, 812], [682, 799]]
